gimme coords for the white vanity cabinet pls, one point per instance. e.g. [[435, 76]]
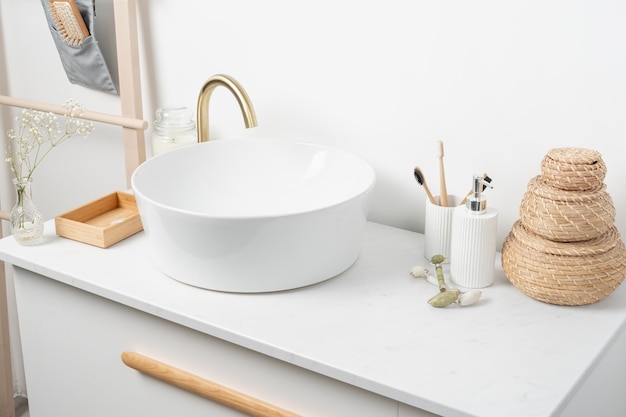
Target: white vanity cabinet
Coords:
[[73, 341], [365, 343]]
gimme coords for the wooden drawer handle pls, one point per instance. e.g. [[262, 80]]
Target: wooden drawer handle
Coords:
[[207, 389]]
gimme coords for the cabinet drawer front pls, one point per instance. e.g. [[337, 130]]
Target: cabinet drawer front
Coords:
[[84, 334]]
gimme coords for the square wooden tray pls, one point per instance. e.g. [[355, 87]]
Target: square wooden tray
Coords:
[[102, 222]]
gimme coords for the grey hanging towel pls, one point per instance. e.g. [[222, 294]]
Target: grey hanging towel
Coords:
[[83, 61]]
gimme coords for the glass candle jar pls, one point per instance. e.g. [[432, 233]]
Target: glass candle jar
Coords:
[[173, 128]]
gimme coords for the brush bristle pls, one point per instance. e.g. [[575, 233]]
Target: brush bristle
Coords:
[[418, 175], [439, 149], [486, 178], [69, 22]]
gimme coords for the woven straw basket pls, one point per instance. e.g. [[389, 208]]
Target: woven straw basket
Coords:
[[564, 273], [574, 169], [566, 216]]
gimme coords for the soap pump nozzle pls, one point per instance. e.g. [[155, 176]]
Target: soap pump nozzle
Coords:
[[476, 203]]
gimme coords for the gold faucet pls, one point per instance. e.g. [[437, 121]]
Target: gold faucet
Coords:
[[249, 117]]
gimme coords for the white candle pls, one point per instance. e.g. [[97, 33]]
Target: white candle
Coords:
[[173, 128], [161, 144]]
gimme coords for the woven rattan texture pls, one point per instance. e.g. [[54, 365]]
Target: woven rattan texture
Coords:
[[574, 169], [564, 273], [566, 216], [565, 248]]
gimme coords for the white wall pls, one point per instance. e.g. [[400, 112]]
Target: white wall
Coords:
[[500, 82]]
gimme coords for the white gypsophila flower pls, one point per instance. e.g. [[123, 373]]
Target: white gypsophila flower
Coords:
[[39, 133]]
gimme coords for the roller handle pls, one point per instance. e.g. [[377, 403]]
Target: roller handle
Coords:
[[205, 388]]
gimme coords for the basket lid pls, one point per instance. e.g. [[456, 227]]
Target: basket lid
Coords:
[[576, 169], [599, 245], [544, 188], [577, 156]]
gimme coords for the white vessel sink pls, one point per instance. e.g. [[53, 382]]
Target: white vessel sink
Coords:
[[253, 215]]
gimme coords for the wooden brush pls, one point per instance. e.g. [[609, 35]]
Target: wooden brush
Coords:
[[69, 21], [443, 197], [486, 178], [419, 177]]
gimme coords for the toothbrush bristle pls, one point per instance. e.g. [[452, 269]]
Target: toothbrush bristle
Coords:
[[418, 175], [488, 179], [439, 149]]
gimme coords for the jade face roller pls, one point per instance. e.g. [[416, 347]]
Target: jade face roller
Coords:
[[446, 295]]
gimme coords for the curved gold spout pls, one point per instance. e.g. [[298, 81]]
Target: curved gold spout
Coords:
[[249, 117]]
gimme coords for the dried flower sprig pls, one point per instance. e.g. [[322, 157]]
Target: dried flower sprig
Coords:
[[38, 134]]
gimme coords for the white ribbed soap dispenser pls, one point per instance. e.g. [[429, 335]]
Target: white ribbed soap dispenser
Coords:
[[473, 243]]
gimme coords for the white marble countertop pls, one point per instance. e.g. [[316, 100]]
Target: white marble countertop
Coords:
[[370, 326]]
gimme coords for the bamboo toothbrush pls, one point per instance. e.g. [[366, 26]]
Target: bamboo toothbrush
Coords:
[[443, 197], [419, 176], [69, 22], [487, 178]]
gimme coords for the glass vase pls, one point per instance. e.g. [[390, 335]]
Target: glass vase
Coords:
[[26, 220]]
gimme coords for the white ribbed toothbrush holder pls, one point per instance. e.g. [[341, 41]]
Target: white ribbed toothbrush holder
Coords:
[[438, 228]]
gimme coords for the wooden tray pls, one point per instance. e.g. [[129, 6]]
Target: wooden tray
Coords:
[[102, 222]]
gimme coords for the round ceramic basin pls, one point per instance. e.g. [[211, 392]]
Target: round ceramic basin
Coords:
[[253, 215]]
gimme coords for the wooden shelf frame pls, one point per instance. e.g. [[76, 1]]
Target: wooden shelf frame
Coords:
[[133, 127], [131, 119]]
